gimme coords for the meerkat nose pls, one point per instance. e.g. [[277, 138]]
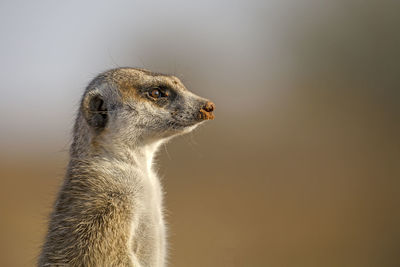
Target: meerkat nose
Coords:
[[209, 106], [206, 111]]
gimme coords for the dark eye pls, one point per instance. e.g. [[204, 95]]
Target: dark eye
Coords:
[[155, 93]]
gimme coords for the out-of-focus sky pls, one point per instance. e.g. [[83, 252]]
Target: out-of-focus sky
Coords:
[[244, 51], [301, 166], [50, 50]]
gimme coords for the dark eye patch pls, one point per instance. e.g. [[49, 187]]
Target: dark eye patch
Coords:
[[167, 94]]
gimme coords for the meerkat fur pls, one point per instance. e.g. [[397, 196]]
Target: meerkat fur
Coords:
[[109, 210]]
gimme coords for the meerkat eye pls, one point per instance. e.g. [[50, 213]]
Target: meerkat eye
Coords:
[[155, 93]]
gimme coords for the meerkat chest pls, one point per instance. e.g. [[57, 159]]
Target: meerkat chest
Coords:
[[149, 236]]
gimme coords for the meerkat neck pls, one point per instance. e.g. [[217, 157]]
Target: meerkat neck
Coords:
[[136, 150], [143, 155]]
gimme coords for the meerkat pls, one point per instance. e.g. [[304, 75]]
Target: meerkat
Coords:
[[109, 210]]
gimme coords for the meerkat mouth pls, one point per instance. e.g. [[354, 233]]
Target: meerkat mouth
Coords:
[[202, 116], [179, 125]]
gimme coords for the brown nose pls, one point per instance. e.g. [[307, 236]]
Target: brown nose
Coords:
[[206, 111], [209, 106]]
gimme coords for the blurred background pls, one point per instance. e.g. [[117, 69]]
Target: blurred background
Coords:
[[301, 166]]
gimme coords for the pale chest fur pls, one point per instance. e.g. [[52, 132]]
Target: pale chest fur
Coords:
[[147, 234]]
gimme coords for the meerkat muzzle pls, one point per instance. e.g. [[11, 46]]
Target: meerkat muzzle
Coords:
[[206, 112]]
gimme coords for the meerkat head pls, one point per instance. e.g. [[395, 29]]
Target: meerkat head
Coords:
[[127, 105]]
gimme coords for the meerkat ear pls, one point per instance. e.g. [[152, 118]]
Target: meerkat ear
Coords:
[[95, 110]]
